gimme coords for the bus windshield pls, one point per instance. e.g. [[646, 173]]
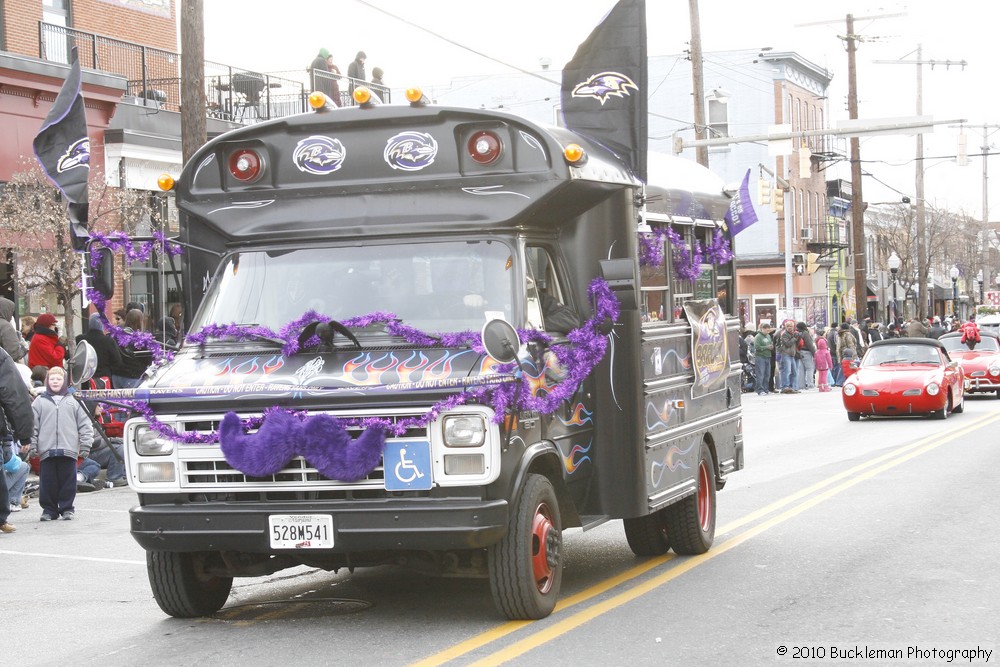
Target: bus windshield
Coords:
[[444, 286]]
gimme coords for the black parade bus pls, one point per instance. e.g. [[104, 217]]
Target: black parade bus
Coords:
[[438, 337]]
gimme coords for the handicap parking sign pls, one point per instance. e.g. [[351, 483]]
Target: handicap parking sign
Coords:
[[407, 465]]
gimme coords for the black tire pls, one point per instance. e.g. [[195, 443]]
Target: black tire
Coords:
[[691, 522], [960, 408], [998, 393], [854, 416], [647, 535], [943, 412], [181, 586], [526, 565]]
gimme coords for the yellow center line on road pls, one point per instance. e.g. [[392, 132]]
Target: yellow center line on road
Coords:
[[857, 474]]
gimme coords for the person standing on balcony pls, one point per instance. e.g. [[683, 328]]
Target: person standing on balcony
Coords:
[[321, 76], [378, 85], [356, 70]]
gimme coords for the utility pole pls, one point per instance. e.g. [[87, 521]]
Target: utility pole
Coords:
[[923, 258], [193, 132], [698, 83], [857, 200]]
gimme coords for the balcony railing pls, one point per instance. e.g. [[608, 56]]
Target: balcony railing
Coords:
[[153, 76]]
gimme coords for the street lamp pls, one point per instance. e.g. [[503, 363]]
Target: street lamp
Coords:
[[894, 262], [954, 288]]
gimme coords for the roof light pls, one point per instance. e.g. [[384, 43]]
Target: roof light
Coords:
[[574, 154], [485, 147], [166, 182], [362, 95], [318, 100], [246, 165], [415, 96]]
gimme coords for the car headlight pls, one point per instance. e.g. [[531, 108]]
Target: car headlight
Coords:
[[850, 389], [994, 370], [150, 443], [464, 431], [933, 389]]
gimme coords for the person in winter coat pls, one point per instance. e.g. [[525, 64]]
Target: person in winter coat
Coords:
[[763, 347], [356, 70], [108, 354], [787, 345], [836, 377], [9, 340], [846, 341], [134, 362], [45, 349], [824, 364], [970, 332], [807, 378], [166, 332], [16, 422], [63, 433]]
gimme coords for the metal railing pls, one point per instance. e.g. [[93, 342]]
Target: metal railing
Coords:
[[153, 76]]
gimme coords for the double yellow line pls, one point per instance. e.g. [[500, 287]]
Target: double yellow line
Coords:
[[809, 497]]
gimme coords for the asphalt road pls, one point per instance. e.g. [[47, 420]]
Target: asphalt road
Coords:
[[841, 542]]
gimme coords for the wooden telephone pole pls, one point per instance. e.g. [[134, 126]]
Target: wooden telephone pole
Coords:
[[193, 131]]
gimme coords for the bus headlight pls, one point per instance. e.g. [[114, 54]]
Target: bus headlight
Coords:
[[150, 443], [464, 431]]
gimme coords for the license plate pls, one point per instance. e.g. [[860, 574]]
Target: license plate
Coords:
[[300, 531]]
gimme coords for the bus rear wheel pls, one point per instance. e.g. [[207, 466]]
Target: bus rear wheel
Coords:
[[647, 535], [526, 565], [691, 522], [181, 585]]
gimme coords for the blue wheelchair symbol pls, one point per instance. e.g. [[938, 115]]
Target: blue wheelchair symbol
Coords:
[[407, 466]]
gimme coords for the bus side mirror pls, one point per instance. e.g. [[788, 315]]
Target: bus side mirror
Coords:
[[501, 341], [619, 274], [103, 279]]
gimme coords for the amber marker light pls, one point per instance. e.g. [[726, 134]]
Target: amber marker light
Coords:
[[166, 182], [317, 100], [362, 95], [414, 95], [573, 153]]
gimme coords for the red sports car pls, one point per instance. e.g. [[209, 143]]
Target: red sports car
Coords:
[[905, 376], [981, 363]]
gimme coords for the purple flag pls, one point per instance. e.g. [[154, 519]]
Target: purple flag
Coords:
[[62, 147], [741, 214]]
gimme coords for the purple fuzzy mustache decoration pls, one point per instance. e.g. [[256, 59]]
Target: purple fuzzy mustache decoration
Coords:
[[320, 439]]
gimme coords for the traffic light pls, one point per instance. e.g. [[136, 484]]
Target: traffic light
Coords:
[[763, 191], [778, 201]]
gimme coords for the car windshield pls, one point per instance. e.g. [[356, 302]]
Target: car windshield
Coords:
[[885, 355], [443, 286], [985, 344]]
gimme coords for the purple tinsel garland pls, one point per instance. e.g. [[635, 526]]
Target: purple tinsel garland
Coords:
[[587, 349], [687, 266]]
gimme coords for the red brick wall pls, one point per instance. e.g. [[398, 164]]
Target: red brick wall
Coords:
[[130, 25], [20, 23], [21, 17]]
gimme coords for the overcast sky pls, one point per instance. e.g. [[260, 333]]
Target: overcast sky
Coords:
[[522, 32]]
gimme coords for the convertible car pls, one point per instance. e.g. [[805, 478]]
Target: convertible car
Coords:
[[905, 376], [981, 364]]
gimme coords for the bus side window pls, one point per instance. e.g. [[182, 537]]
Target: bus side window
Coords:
[[533, 304]]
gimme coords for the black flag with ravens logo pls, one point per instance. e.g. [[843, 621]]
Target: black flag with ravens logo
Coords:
[[62, 147], [604, 94]]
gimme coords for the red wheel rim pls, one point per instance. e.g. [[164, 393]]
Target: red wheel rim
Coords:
[[704, 497], [544, 548]]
